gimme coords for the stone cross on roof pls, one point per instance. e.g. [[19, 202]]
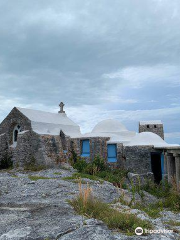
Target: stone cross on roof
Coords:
[[61, 107]]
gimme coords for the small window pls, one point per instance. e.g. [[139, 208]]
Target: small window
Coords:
[[85, 148], [147, 126], [15, 135], [155, 126], [16, 131], [112, 152]]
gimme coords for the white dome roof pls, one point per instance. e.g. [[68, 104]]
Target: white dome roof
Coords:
[[147, 138], [109, 126]]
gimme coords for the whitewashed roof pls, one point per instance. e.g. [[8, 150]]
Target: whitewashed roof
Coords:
[[109, 125], [148, 139], [51, 123], [113, 129], [150, 122]]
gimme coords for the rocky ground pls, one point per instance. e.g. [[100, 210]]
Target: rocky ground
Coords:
[[40, 210]]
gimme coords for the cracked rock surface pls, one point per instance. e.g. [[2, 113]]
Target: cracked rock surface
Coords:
[[40, 209]]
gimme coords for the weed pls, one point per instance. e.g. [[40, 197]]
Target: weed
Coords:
[[14, 176], [77, 180], [87, 205], [99, 169], [172, 223], [65, 168], [153, 210], [35, 178], [82, 175], [161, 191], [57, 173]]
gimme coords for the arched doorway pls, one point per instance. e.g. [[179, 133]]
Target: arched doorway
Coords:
[[16, 131]]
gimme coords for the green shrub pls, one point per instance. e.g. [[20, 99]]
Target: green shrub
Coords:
[[6, 161], [99, 168], [170, 197], [172, 201], [161, 190], [74, 157], [99, 163], [113, 175], [80, 165], [136, 188]]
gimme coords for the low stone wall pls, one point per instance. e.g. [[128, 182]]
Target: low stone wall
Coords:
[[138, 158]]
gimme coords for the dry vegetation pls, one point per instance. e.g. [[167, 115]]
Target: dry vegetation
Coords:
[[86, 204]]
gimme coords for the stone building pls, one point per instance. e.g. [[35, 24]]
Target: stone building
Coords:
[[42, 138], [152, 126], [36, 135]]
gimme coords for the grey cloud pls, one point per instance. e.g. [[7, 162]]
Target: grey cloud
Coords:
[[60, 50]]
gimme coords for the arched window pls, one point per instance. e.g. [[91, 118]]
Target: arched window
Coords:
[[15, 135], [16, 130]]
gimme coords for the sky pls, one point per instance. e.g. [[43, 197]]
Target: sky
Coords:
[[117, 59]]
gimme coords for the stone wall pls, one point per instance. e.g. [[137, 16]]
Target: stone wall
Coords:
[[154, 128], [138, 158], [44, 150], [15, 117], [98, 146], [26, 150], [55, 149]]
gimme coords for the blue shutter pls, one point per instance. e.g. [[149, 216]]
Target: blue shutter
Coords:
[[85, 148], [112, 152]]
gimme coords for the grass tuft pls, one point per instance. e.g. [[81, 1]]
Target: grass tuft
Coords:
[[57, 173], [172, 223], [86, 204], [35, 178], [83, 175], [152, 210]]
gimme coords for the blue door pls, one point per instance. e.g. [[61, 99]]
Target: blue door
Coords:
[[85, 148], [112, 152]]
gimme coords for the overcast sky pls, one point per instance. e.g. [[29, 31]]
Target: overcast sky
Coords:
[[104, 59]]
